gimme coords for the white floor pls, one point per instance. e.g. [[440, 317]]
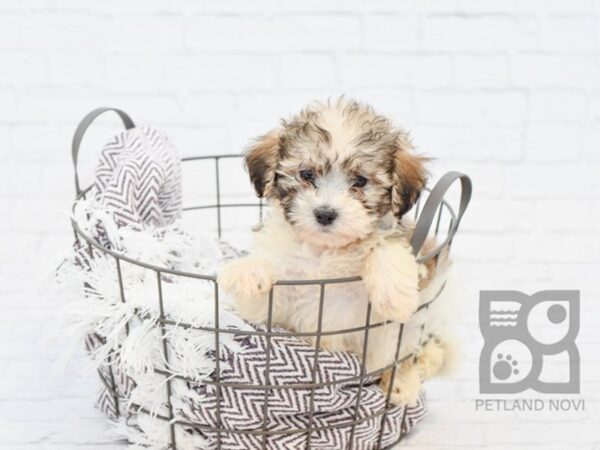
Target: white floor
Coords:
[[39, 410]]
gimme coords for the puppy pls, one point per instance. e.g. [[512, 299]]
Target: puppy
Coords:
[[339, 179]]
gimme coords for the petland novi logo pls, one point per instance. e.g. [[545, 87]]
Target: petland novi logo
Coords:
[[529, 342]]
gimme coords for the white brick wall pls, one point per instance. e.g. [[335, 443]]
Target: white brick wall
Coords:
[[508, 91]]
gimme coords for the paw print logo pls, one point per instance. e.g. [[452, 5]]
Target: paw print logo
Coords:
[[522, 334], [505, 367]]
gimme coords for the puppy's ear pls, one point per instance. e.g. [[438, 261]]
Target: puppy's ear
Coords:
[[261, 161], [410, 177]]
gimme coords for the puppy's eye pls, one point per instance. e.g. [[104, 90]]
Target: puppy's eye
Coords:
[[359, 181], [307, 175]]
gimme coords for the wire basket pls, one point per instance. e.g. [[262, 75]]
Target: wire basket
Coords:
[[433, 214]]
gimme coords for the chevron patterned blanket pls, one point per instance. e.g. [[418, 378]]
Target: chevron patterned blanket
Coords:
[[138, 180], [288, 408], [136, 209]]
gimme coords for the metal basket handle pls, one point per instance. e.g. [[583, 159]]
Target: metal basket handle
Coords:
[[433, 203], [82, 128]]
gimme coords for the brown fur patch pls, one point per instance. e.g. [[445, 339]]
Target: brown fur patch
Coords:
[[410, 179], [343, 137], [261, 160]]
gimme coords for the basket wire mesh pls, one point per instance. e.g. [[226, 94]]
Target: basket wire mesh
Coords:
[[436, 213]]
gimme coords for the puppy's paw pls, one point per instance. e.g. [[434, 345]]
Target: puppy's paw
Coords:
[[246, 278], [406, 386], [391, 276], [394, 302], [431, 359]]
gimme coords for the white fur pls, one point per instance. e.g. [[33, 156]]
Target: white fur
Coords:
[[352, 222], [390, 276]]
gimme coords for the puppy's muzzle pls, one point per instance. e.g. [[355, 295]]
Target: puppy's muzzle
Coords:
[[325, 215]]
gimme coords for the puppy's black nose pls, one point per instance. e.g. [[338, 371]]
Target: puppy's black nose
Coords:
[[325, 215]]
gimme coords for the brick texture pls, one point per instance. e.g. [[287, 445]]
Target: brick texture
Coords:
[[508, 91]]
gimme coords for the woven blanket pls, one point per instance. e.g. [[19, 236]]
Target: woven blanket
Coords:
[[242, 408], [138, 178], [288, 409], [137, 203]]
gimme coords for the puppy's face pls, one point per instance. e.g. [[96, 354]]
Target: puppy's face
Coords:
[[335, 170]]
